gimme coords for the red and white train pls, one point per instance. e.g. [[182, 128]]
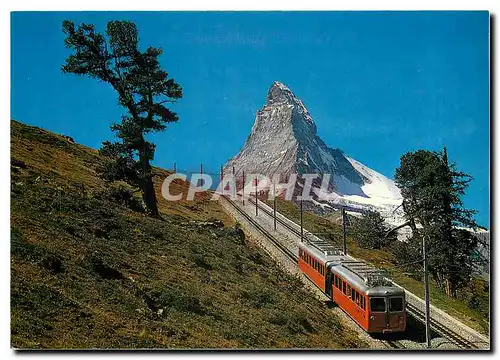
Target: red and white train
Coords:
[[360, 290]]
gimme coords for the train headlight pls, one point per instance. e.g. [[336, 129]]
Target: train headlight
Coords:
[[372, 317]]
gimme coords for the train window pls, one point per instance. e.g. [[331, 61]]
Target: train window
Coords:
[[396, 304], [348, 290], [362, 302], [353, 295], [377, 304], [344, 287]]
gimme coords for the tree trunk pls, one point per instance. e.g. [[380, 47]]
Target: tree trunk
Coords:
[[447, 289], [148, 190], [149, 196]]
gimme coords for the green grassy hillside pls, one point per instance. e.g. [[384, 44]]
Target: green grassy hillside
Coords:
[[89, 271]]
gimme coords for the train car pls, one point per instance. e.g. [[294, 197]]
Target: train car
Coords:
[[360, 290]]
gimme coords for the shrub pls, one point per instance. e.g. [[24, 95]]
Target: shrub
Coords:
[[177, 299], [124, 196], [258, 297]]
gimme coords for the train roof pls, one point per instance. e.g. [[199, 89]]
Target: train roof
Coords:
[[365, 278], [321, 249], [359, 274]]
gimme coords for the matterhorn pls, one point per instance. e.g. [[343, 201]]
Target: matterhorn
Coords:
[[284, 141]]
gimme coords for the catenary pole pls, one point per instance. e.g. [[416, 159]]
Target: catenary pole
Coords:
[[301, 223], [243, 191], [274, 204], [256, 199], [201, 173], [427, 295], [235, 190], [344, 226]]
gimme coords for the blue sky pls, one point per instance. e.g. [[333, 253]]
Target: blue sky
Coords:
[[377, 84]]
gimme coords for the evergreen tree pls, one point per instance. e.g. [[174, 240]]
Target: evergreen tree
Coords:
[[372, 232], [143, 89], [432, 190]]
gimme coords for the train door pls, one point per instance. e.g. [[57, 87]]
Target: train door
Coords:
[[395, 307], [378, 313], [329, 280]]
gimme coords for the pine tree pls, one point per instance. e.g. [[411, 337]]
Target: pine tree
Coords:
[[432, 191], [143, 89], [372, 232]]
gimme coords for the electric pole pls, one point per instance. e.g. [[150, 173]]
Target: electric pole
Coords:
[[243, 192], [235, 190], [201, 173], [427, 295], [301, 223], [256, 199], [344, 228], [175, 167], [274, 204]]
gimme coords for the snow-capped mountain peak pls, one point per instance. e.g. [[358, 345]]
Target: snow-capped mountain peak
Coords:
[[284, 141]]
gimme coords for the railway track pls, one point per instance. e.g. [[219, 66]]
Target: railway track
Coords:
[[441, 329], [392, 344], [290, 254], [281, 221], [417, 313]]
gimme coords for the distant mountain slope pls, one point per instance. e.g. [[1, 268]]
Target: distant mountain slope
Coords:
[[284, 140], [88, 270]]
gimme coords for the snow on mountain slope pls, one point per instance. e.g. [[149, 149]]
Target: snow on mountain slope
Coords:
[[378, 188]]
